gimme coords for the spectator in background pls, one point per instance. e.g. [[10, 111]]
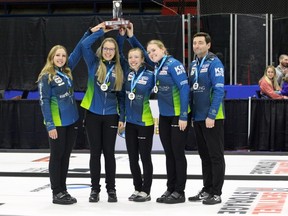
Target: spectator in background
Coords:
[[60, 113], [269, 86], [284, 90], [282, 68]]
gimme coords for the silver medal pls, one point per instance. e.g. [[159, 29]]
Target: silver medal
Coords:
[[131, 96], [155, 89], [195, 86], [104, 87]]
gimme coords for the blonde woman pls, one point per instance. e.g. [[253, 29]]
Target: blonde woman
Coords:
[[171, 85], [102, 101], [60, 113], [268, 84]]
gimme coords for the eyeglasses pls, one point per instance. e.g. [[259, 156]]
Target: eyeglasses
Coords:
[[106, 49]]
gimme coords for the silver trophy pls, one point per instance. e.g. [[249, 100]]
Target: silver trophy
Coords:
[[117, 22]]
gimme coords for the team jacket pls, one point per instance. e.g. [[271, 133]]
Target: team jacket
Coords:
[[207, 100], [172, 82], [96, 100], [57, 96], [137, 111]]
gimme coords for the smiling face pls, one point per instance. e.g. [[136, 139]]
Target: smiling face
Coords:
[[108, 50], [200, 47], [156, 51], [135, 59], [270, 73], [60, 58]]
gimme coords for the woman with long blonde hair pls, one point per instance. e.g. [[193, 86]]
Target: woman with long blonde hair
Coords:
[[57, 101], [104, 104], [268, 84]]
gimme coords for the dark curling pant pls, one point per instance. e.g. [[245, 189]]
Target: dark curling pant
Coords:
[[174, 141], [101, 133], [139, 140], [60, 151], [210, 142]]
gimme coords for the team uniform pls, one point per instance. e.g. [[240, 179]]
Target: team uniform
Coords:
[[173, 100], [102, 116], [60, 112], [207, 101], [139, 128]]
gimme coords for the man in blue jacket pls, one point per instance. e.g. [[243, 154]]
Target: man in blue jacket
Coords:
[[206, 79]]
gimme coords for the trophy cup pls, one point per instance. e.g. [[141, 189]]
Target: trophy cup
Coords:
[[117, 22]]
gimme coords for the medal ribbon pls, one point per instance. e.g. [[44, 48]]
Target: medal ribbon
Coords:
[[156, 71], [108, 74], [66, 77], [133, 83], [198, 69]]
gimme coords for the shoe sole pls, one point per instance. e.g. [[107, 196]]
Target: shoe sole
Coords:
[[142, 200], [204, 203], [199, 200], [62, 203], [112, 200], [173, 201]]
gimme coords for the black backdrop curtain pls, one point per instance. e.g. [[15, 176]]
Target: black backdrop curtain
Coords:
[[269, 125], [236, 124], [26, 41], [21, 126]]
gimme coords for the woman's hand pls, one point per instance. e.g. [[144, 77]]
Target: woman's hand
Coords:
[[120, 125], [98, 27], [53, 134], [210, 123], [182, 125], [122, 31], [130, 30]]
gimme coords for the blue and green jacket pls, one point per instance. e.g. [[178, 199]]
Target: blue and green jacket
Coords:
[[207, 100], [95, 100], [57, 99], [137, 111], [172, 82]]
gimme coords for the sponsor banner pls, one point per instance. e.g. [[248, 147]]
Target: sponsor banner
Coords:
[[257, 201], [276, 167]]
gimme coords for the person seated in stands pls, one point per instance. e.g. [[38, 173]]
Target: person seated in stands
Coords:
[[284, 90], [282, 68], [269, 86]]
